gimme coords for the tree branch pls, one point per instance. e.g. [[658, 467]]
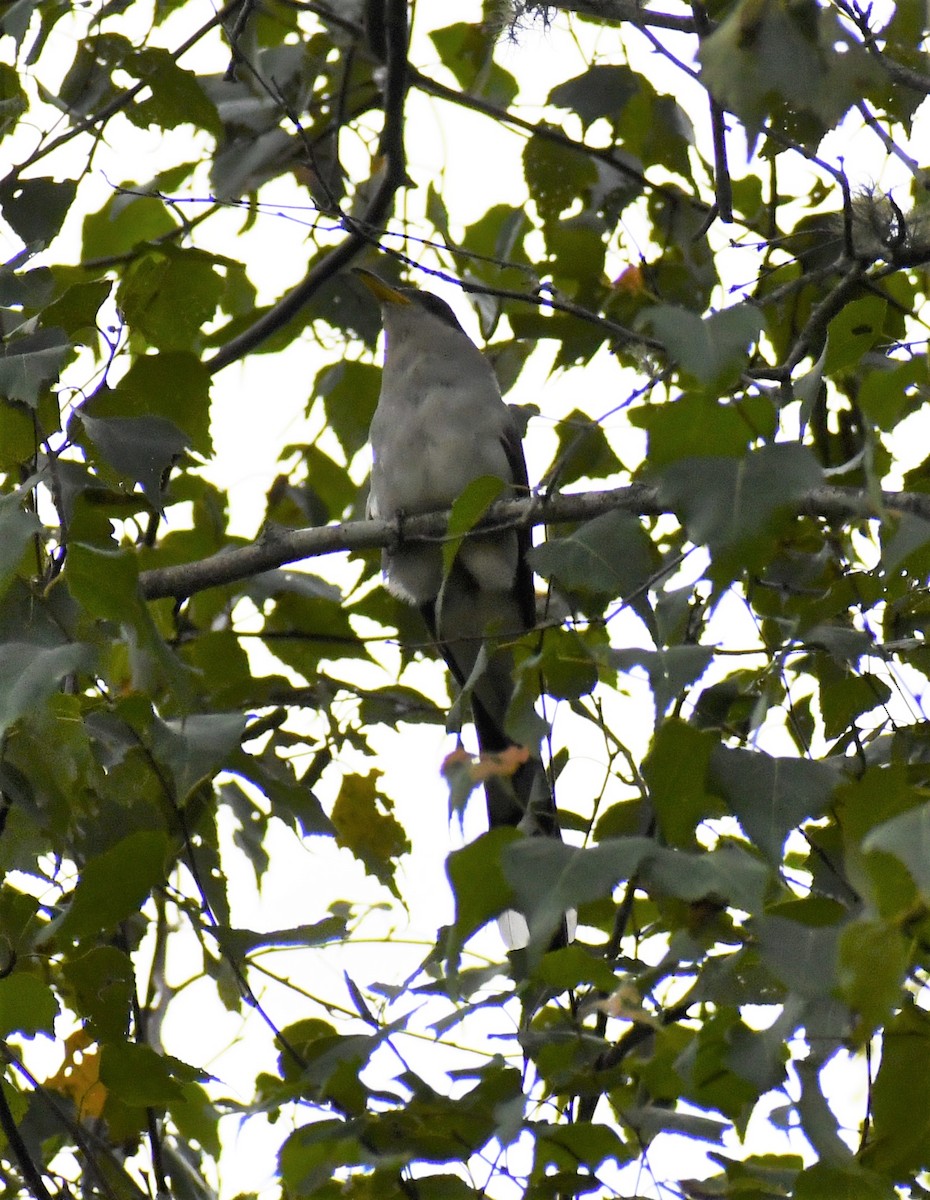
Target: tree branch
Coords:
[[551, 133], [278, 549], [722, 183], [123, 99], [631, 11], [358, 229], [32, 1176]]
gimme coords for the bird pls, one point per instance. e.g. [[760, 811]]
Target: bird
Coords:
[[440, 424]]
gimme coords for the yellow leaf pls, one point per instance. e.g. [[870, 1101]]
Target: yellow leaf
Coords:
[[78, 1078]]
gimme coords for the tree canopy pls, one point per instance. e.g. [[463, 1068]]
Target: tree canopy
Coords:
[[706, 225]]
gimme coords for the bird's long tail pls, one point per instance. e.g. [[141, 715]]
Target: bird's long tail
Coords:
[[524, 800]]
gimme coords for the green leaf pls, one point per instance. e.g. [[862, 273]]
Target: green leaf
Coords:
[[30, 673], [125, 222], [903, 537], [556, 178], [727, 875], [825, 1182], [728, 503], [13, 100], [36, 208], [697, 426], [766, 58], [311, 1156], [467, 49], [29, 364], [138, 1076], [600, 91], [843, 700], [671, 672], [140, 448], [907, 838], [478, 884], [27, 1006], [115, 884], [611, 556], [467, 511], [899, 1142], [818, 1120], [573, 965], [195, 748], [290, 797], [803, 957], [196, 1118], [168, 294], [713, 350], [853, 332], [549, 878], [102, 985], [173, 385], [350, 395], [241, 942], [176, 97], [705, 1066], [75, 311], [873, 962], [15, 19], [33, 289], [582, 1144], [17, 530], [675, 771], [104, 582], [583, 452], [566, 664], [771, 796], [366, 825]]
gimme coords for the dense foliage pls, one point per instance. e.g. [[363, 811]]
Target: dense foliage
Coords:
[[716, 244]]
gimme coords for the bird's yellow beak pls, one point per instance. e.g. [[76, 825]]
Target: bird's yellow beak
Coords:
[[381, 290]]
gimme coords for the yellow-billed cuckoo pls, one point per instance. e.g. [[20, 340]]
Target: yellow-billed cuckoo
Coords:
[[439, 425]]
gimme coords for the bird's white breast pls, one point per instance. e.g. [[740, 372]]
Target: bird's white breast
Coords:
[[440, 422]]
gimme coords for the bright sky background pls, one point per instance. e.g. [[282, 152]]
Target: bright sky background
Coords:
[[260, 406]]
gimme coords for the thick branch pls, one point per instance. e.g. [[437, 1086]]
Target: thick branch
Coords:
[[631, 11], [278, 549]]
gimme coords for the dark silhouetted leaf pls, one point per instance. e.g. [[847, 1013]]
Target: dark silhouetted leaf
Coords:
[[771, 796], [29, 674], [601, 91], [141, 448], [36, 208], [29, 364]]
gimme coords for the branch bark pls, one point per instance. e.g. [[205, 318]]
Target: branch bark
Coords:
[[631, 11], [32, 1176], [277, 549]]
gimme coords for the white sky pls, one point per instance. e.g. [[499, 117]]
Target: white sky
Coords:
[[259, 406]]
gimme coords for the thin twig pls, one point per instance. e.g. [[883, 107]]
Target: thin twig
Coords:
[[124, 98], [723, 187], [631, 12], [359, 230], [551, 133]]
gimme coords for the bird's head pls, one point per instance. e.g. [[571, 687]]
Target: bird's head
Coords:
[[411, 301]]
